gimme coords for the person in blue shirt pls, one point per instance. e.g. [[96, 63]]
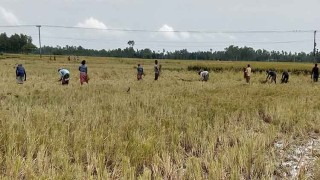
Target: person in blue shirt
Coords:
[[21, 74], [83, 72], [64, 76], [140, 72]]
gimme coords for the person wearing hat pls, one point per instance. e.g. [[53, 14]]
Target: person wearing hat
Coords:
[[204, 75], [21, 74], [64, 76]]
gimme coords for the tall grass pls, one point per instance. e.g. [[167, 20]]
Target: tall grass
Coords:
[[170, 129]]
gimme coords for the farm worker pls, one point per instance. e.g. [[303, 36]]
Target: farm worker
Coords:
[[244, 73], [139, 72], [204, 75], [285, 77], [272, 75], [83, 72], [64, 76], [248, 73], [21, 74], [315, 73], [156, 70]]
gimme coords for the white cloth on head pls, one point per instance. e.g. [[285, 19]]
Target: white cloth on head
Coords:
[[204, 75]]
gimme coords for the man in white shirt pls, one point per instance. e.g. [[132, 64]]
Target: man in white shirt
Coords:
[[248, 73], [204, 75], [64, 76]]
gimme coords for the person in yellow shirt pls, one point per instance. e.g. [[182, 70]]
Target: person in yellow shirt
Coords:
[[248, 73]]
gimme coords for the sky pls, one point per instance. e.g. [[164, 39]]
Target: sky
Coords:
[[195, 25]]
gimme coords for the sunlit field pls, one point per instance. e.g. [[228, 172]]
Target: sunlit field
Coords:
[[176, 128]]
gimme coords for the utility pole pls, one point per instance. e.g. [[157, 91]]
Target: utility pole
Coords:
[[39, 26], [314, 46]]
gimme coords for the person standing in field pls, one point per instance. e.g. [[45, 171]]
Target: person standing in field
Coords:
[[140, 72], [248, 73], [285, 77], [204, 75], [315, 73], [244, 73], [156, 70], [21, 74], [83, 73], [64, 76]]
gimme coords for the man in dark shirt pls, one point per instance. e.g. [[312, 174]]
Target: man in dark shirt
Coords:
[[272, 75], [285, 77], [315, 73]]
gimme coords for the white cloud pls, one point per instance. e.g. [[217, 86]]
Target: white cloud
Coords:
[[8, 16], [92, 23], [228, 36], [169, 33], [185, 35]]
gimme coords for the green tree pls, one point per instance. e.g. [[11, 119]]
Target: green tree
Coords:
[[4, 40], [131, 43], [28, 48]]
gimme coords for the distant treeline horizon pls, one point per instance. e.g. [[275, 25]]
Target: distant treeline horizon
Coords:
[[23, 44]]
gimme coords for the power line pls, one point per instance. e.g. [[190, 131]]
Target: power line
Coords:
[[15, 26], [167, 31], [181, 42], [183, 31]]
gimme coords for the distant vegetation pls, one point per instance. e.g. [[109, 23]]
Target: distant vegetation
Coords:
[[23, 44], [233, 53], [16, 44]]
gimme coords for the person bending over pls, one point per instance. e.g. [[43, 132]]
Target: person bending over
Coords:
[[272, 75], [64, 76], [21, 74], [204, 75], [285, 77]]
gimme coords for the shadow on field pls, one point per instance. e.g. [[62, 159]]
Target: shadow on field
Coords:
[[263, 81], [186, 80]]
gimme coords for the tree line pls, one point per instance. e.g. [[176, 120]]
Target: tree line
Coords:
[[23, 44], [16, 43], [231, 53]]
